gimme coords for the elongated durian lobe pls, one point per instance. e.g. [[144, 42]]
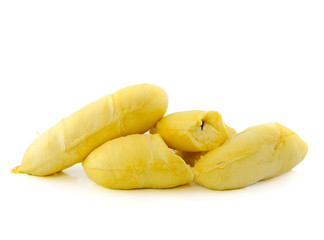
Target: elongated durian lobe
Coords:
[[258, 153], [136, 161], [193, 131], [134, 109]]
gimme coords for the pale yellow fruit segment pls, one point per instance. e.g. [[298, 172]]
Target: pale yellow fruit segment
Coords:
[[136, 161], [134, 109], [258, 153], [193, 131]]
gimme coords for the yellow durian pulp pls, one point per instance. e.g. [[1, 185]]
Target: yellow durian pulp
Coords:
[[258, 153], [193, 131], [136, 161], [134, 109]]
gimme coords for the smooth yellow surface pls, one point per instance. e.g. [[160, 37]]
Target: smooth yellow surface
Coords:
[[193, 131], [134, 109], [258, 153], [136, 161]]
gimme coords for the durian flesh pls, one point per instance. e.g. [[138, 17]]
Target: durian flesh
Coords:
[[136, 161], [193, 131], [258, 153], [134, 109]]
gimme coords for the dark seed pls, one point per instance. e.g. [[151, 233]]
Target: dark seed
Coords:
[[202, 125]]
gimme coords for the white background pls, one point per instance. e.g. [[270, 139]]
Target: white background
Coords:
[[253, 61]]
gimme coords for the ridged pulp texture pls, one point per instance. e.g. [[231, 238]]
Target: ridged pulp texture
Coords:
[[134, 109], [193, 131], [136, 161], [258, 153]]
